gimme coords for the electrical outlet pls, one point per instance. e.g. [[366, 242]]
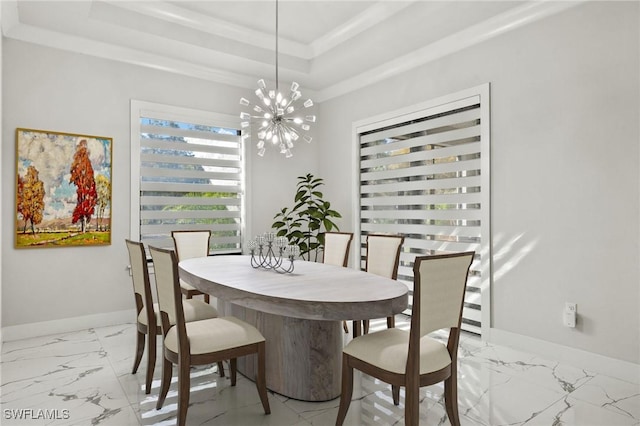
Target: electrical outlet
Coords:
[[569, 315]]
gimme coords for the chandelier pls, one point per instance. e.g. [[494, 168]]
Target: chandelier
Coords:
[[280, 122]]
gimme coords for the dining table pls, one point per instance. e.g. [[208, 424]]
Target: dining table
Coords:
[[299, 313]]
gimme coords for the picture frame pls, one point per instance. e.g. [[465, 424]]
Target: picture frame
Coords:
[[63, 189]]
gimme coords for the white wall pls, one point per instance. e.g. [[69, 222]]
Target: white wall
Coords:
[[565, 163], [565, 169], [56, 90]]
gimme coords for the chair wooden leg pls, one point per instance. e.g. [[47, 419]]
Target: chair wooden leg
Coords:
[[412, 404], [365, 326], [233, 366], [261, 381], [346, 391], [167, 371], [221, 369], [207, 298], [395, 392], [184, 388], [151, 362], [451, 399], [139, 351], [391, 322], [357, 329], [345, 327]]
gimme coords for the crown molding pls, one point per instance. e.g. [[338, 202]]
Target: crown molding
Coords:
[[498, 25], [218, 27], [369, 18], [483, 31]]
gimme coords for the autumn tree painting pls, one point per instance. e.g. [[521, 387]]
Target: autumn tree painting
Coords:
[[103, 188], [82, 177], [63, 189], [30, 198]]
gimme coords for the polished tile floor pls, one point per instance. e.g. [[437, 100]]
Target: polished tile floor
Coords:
[[84, 378]]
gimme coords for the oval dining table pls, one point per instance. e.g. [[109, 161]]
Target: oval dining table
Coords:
[[300, 315]]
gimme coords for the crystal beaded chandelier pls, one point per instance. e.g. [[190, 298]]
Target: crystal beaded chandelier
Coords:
[[276, 114]]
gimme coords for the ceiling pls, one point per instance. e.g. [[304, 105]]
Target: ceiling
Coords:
[[329, 47]]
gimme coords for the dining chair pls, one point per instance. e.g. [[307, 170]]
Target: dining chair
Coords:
[[336, 248], [336, 252], [147, 313], [412, 358], [199, 342], [190, 244], [383, 258]]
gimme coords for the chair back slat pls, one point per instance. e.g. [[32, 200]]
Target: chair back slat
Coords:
[[336, 248], [383, 254], [439, 287], [167, 284], [190, 244]]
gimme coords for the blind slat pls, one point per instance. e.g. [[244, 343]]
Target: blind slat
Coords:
[[431, 160]]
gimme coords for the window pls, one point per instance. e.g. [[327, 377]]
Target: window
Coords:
[[424, 174], [187, 173]]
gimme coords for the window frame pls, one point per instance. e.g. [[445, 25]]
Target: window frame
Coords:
[[417, 112], [139, 109]]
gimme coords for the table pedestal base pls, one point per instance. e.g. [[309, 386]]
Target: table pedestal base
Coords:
[[304, 357]]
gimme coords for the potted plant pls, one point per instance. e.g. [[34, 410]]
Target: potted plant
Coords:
[[306, 222]]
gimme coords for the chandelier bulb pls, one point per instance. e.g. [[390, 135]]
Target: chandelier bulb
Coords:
[[308, 103], [311, 118], [261, 84], [307, 138], [244, 102], [294, 86]]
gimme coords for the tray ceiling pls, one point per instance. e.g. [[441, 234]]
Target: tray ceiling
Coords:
[[329, 47]]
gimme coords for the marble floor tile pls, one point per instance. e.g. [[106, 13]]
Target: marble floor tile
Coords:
[[84, 378]]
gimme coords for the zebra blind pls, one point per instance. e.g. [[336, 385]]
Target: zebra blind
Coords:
[[189, 172], [425, 179]]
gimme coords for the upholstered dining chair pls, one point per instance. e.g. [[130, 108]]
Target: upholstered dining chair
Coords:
[[411, 358], [383, 258], [336, 248], [336, 252], [147, 313], [190, 244], [199, 342]]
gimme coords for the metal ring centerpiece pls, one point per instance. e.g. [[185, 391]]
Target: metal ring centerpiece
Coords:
[[271, 252]]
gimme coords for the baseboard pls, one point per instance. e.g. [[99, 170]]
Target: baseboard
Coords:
[[623, 370], [66, 325]]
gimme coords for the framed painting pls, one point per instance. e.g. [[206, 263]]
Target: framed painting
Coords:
[[63, 189]]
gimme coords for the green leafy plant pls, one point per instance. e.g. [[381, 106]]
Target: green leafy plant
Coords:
[[306, 222]]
